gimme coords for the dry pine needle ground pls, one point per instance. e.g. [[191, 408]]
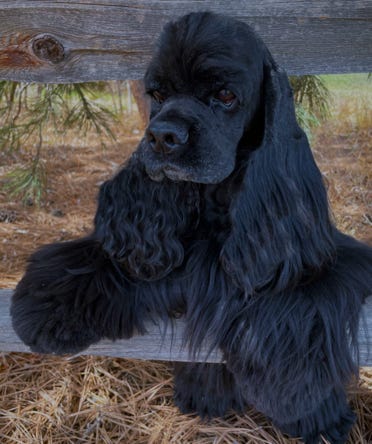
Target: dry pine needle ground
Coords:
[[101, 400]]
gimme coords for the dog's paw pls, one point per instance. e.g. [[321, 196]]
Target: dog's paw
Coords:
[[49, 323], [207, 404], [338, 432], [55, 305], [330, 422], [209, 390]]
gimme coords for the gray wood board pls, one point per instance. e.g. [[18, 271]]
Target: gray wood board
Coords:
[[111, 40], [157, 345]]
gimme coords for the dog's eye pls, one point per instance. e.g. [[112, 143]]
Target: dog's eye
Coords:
[[158, 96], [225, 96]]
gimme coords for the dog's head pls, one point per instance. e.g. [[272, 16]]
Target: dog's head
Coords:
[[223, 116], [221, 104], [205, 81]]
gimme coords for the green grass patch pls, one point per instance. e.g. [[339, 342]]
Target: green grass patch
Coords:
[[351, 101], [346, 85]]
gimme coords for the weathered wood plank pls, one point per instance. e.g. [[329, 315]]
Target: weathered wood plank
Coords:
[[154, 345], [67, 41], [157, 345], [304, 8]]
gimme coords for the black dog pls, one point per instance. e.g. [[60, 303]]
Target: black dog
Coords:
[[220, 214]]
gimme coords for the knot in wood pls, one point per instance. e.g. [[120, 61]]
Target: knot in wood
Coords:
[[47, 47]]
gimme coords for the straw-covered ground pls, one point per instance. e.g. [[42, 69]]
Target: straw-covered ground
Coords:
[[103, 400]]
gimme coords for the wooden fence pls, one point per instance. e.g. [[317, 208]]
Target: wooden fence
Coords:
[[157, 345], [76, 41], [70, 41]]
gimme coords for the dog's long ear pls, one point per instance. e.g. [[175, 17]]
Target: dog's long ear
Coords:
[[281, 231], [139, 222]]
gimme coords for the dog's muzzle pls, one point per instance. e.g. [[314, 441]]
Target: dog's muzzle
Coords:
[[184, 142]]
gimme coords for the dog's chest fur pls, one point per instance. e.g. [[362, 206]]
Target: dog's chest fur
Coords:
[[215, 222]]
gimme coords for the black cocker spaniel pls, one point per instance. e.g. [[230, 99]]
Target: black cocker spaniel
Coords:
[[220, 214]]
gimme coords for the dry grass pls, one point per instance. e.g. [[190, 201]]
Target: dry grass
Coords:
[[343, 150], [75, 171], [101, 400], [104, 400]]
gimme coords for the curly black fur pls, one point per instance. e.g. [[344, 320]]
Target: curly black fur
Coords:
[[220, 214]]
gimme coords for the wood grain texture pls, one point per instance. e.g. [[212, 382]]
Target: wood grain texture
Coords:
[[105, 40], [157, 345]]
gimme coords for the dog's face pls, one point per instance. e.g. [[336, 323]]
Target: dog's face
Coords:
[[205, 81]]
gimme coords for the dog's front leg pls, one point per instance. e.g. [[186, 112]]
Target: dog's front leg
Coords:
[[108, 284], [71, 296]]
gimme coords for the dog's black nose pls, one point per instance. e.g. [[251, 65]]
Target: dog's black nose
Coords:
[[165, 137]]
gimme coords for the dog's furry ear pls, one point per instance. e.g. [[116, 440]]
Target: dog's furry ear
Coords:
[[139, 223], [281, 232]]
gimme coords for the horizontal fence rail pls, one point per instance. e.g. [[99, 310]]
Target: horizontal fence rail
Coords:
[[75, 41], [157, 345]]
